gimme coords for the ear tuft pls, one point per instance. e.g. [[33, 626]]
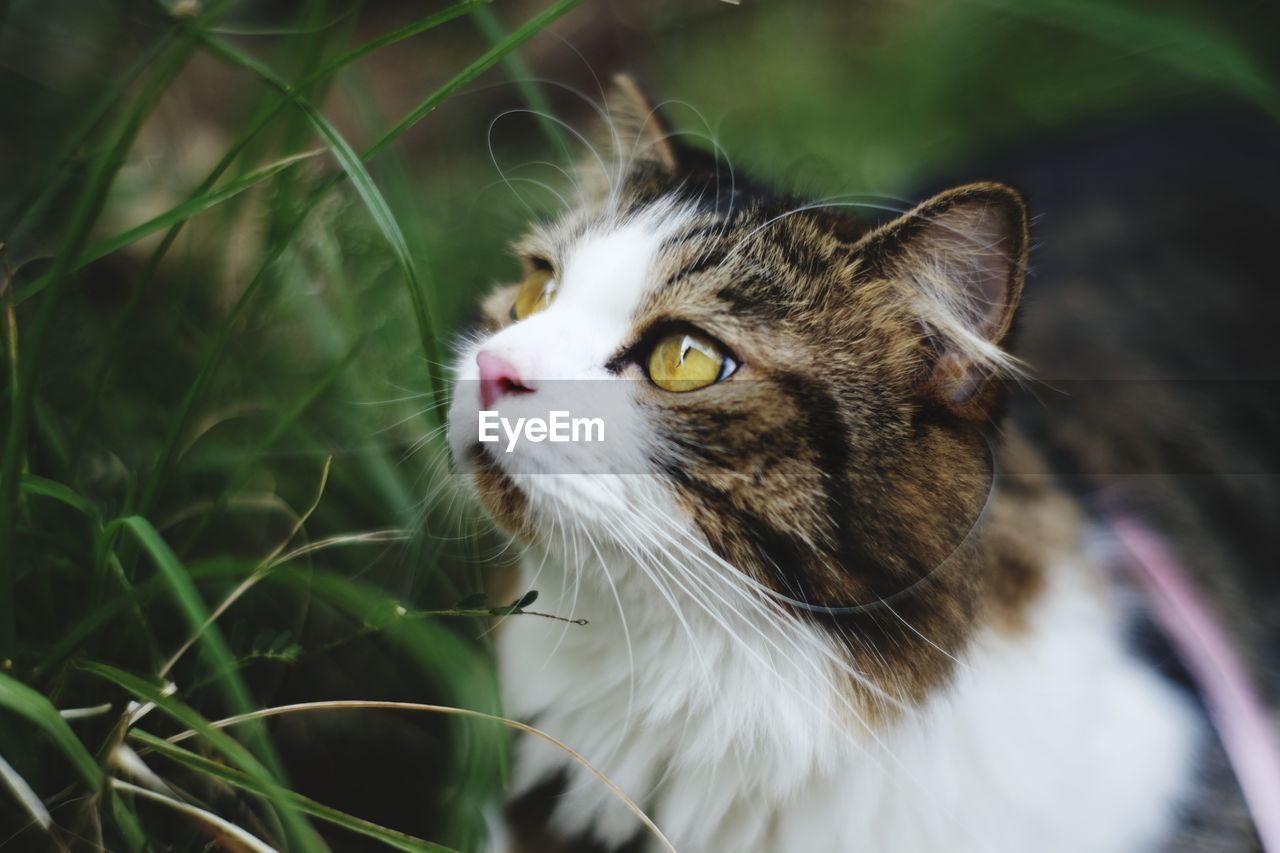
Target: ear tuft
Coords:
[[962, 258]]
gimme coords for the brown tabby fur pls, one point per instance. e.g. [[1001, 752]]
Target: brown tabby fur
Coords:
[[848, 463]]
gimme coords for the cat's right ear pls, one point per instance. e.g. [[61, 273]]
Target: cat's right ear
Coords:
[[960, 258]]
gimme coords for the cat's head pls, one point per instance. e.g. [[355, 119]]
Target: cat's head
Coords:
[[793, 393]]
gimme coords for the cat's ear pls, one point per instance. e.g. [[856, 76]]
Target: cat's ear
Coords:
[[638, 133], [630, 137], [961, 257]]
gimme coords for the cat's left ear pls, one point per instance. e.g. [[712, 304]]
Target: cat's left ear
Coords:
[[961, 257], [639, 132], [630, 140]]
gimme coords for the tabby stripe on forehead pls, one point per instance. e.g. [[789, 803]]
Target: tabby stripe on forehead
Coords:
[[759, 295], [706, 260], [800, 257], [696, 233], [707, 257]]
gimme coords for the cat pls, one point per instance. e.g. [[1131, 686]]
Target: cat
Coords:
[[840, 594]]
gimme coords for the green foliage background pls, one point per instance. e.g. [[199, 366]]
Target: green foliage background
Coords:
[[239, 237]]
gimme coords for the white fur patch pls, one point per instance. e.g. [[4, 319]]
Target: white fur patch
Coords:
[[1056, 740]]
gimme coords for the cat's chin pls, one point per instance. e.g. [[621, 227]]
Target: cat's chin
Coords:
[[531, 503], [497, 492]]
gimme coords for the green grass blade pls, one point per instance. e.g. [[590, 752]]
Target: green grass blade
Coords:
[[427, 335], [193, 206], [487, 20], [353, 166], [1187, 44], [212, 361], [234, 151], [31, 203], [292, 32], [204, 630], [238, 779], [435, 649], [135, 838], [286, 422], [175, 215], [226, 832], [25, 795], [186, 595], [33, 485], [26, 702], [231, 749], [399, 34], [87, 210], [477, 67], [131, 598]]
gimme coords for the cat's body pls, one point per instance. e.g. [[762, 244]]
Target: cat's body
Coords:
[[819, 623], [1054, 718]]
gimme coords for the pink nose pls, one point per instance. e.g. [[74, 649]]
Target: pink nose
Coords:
[[498, 378]]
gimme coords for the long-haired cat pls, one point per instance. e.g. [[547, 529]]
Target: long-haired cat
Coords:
[[836, 600]]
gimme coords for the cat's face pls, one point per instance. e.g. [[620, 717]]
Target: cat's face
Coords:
[[787, 393]]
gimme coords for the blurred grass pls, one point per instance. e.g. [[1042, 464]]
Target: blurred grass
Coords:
[[171, 447], [238, 239]]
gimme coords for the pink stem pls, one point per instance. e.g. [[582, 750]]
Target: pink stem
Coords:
[[1236, 709]]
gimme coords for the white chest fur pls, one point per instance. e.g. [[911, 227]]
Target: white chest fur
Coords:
[[1056, 739]]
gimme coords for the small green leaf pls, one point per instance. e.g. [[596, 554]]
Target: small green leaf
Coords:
[[516, 606], [474, 601]]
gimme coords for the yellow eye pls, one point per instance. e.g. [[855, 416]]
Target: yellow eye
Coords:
[[537, 291], [687, 361]]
